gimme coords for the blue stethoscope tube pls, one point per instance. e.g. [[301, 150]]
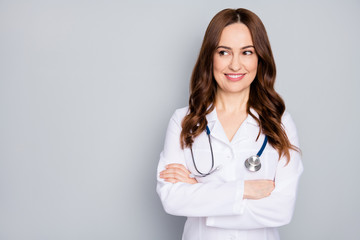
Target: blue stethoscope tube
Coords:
[[253, 163]]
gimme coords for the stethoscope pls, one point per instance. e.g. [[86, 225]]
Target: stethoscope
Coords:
[[252, 163]]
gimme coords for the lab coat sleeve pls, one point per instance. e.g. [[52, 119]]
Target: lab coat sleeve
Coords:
[[194, 200], [277, 209]]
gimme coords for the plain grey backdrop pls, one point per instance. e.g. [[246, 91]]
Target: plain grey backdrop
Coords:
[[87, 89]]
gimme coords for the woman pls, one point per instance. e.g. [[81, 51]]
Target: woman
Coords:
[[234, 113]]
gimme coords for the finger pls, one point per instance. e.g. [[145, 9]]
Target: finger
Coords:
[[173, 171], [171, 180], [174, 176], [176, 170], [181, 171], [181, 167], [178, 166]]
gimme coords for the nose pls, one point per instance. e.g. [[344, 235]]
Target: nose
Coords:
[[235, 64]]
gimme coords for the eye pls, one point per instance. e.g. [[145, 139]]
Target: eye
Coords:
[[223, 53], [248, 52]]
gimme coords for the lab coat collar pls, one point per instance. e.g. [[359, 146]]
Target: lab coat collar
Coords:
[[217, 131], [252, 120]]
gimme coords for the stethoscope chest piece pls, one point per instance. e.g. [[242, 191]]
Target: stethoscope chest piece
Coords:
[[253, 163]]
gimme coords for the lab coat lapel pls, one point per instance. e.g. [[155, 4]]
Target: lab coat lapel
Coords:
[[247, 128], [241, 134], [216, 130]]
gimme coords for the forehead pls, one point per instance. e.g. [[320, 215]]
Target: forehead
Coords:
[[235, 35]]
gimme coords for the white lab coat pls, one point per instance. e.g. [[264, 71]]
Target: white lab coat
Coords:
[[215, 206]]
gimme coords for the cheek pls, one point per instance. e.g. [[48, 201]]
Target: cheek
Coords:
[[255, 66], [218, 64], [215, 65], [252, 65]]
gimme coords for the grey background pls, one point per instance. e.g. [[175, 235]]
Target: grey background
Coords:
[[87, 89]]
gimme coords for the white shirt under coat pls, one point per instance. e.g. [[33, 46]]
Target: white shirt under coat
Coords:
[[214, 207]]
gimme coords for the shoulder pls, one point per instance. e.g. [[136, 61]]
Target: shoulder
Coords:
[[287, 121], [179, 114], [289, 126]]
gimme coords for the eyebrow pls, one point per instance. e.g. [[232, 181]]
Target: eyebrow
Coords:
[[248, 46]]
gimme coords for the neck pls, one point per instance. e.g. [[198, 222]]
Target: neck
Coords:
[[232, 102]]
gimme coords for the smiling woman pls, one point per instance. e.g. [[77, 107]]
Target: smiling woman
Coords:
[[210, 169]]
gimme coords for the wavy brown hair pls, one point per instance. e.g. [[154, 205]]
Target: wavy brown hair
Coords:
[[263, 98]]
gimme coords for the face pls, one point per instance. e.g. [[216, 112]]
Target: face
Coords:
[[235, 61]]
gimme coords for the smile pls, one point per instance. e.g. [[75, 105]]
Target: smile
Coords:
[[235, 77]]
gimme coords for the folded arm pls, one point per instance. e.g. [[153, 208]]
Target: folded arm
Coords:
[[200, 199]]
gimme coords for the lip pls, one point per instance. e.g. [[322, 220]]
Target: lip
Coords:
[[235, 76]]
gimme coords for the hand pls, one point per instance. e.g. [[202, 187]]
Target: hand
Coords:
[[175, 173], [257, 189]]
